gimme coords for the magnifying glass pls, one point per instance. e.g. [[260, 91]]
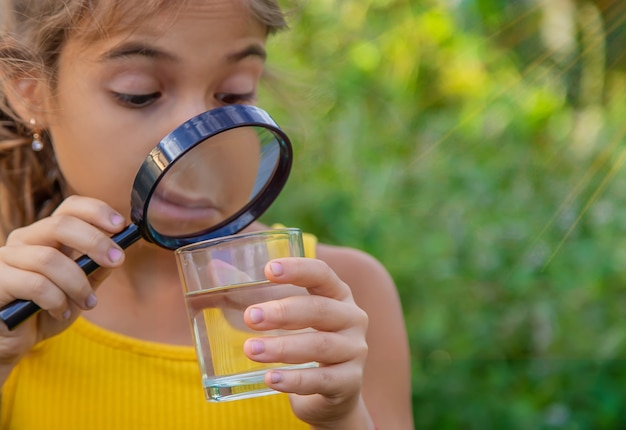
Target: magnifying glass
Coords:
[[210, 177]]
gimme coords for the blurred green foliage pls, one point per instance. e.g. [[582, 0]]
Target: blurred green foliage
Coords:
[[476, 148]]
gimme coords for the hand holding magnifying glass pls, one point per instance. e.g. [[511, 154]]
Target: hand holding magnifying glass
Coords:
[[174, 201]]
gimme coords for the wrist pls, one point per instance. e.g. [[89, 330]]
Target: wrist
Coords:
[[357, 419]]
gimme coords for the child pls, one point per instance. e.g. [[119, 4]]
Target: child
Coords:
[[89, 87]]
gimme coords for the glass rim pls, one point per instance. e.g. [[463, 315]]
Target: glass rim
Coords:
[[198, 246]]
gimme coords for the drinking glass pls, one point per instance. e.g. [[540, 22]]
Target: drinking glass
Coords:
[[221, 278]]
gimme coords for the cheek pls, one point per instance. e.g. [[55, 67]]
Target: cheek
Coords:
[[97, 160]]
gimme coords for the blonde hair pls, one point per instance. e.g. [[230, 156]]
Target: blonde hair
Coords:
[[32, 34]]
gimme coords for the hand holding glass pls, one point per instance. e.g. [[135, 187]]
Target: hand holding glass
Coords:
[[221, 279]]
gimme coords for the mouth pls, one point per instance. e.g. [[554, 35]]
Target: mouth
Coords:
[[184, 213]]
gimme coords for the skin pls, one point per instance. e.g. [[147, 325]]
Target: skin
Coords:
[[212, 55]]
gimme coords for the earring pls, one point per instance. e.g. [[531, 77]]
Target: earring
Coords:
[[36, 144]]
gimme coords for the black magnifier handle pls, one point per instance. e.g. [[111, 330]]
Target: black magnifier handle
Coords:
[[19, 310], [124, 239]]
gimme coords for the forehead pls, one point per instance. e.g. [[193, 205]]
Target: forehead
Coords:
[[197, 35], [118, 17]]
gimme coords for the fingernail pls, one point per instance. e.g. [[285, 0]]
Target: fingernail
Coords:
[[91, 301], [67, 314], [276, 268], [276, 377], [117, 219], [114, 255], [257, 347], [256, 315]]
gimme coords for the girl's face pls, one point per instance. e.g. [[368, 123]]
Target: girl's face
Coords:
[[116, 98]]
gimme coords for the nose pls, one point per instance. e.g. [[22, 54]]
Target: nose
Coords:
[[186, 109]]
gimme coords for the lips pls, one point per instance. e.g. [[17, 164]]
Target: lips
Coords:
[[169, 208], [183, 200]]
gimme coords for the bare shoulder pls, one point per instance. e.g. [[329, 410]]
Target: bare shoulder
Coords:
[[364, 273], [387, 378], [374, 291]]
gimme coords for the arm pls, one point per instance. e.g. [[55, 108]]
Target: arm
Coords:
[[387, 379]]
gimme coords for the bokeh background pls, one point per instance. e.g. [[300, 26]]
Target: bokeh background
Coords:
[[475, 147]]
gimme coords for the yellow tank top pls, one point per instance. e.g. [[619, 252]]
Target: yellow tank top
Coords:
[[89, 378]]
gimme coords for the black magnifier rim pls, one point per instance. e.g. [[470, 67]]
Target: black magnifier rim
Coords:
[[187, 136]]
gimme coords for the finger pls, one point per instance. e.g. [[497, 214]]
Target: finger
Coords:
[[223, 273], [94, 211], [330, 381], [18, 284], [74, 233], [315, 275], [321, 347], [89, 210], [297, 312], [51, 269]]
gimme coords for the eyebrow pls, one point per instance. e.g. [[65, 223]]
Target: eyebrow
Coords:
[[136, 49], [253, 50], [145, 50]]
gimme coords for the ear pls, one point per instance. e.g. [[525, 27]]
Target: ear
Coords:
[[25, 95]]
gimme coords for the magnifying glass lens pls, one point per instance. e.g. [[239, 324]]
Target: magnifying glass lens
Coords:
[[213, 182]]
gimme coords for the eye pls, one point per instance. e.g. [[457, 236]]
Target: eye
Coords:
[[230, 98], [137, 101]]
